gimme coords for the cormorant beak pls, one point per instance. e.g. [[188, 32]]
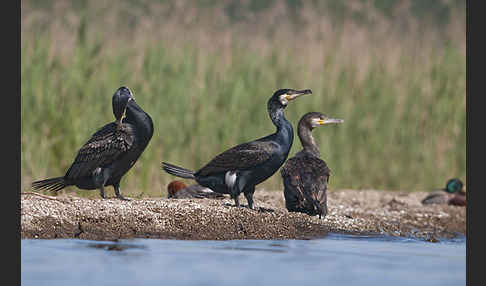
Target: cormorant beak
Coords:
[[130, 96], [126, 106], [297, 93], [329, 121]]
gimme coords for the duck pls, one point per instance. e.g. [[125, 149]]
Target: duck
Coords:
[[452, 194], [179, 190]]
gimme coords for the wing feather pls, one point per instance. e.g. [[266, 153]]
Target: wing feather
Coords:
[[105, 146], [305, 179], [240, 157]]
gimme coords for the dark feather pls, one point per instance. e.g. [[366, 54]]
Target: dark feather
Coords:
[[436, 197], [240, 157], [197, 191], [305, 181], [104, 147]]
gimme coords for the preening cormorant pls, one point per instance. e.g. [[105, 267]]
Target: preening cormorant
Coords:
[[179, 190], [305, 175], [452, 194], [110, 152], [242, 167]]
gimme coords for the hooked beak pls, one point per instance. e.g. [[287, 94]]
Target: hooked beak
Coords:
[[130, 95], [329, 121], [297, 93]]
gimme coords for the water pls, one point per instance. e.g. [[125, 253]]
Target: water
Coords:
[[334, 260]]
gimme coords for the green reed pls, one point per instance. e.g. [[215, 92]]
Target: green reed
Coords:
[[404, 127]]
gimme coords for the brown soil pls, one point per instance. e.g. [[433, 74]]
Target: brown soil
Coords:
[[350, 211]]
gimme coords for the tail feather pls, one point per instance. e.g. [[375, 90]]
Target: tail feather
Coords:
[[178, 171], [53, 184]]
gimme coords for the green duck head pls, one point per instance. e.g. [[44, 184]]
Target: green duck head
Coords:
[[453, 186]]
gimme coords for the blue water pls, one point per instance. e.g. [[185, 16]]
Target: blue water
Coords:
[[333, 260]]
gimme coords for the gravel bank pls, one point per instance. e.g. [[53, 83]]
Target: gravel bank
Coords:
[[350, 211]]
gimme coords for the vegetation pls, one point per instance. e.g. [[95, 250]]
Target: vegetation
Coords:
[[393, 70]]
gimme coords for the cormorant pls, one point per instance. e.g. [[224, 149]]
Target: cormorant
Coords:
[[179, 190], [110, 152], [305, 176], [240, 168], [452, 194]]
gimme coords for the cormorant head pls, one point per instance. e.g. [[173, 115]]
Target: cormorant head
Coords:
[[174, 187], [453, 186], [284, 96], [313, 119], [120, 101]]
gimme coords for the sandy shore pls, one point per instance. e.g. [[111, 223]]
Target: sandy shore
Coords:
[[350, 211]]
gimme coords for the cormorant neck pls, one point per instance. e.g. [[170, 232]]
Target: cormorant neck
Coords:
[[136, 116], [307, 140], [118, 122], [285, 133]]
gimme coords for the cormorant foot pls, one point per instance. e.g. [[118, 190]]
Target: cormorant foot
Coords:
[[265, 210], [123, 198], [237, 201]]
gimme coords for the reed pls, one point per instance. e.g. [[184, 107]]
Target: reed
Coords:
[[402, 98]]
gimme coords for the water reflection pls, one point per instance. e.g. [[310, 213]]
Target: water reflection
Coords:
[[115, 246], [237, 248], [335, 260]]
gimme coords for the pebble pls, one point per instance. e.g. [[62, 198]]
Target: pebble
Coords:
[[350, 211]]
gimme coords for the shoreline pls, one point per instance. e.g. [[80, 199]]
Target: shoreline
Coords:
[[361, 212]]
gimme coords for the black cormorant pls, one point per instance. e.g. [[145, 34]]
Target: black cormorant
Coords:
[[305, 175], [242, 167], [452, 194], [179, 190], [110, 152]]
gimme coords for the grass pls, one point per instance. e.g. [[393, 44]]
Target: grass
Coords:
[[404, 112]]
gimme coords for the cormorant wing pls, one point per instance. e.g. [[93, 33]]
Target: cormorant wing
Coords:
[[320, 173], [105, 146], [308, 177], [240, 157], [294, 193]]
